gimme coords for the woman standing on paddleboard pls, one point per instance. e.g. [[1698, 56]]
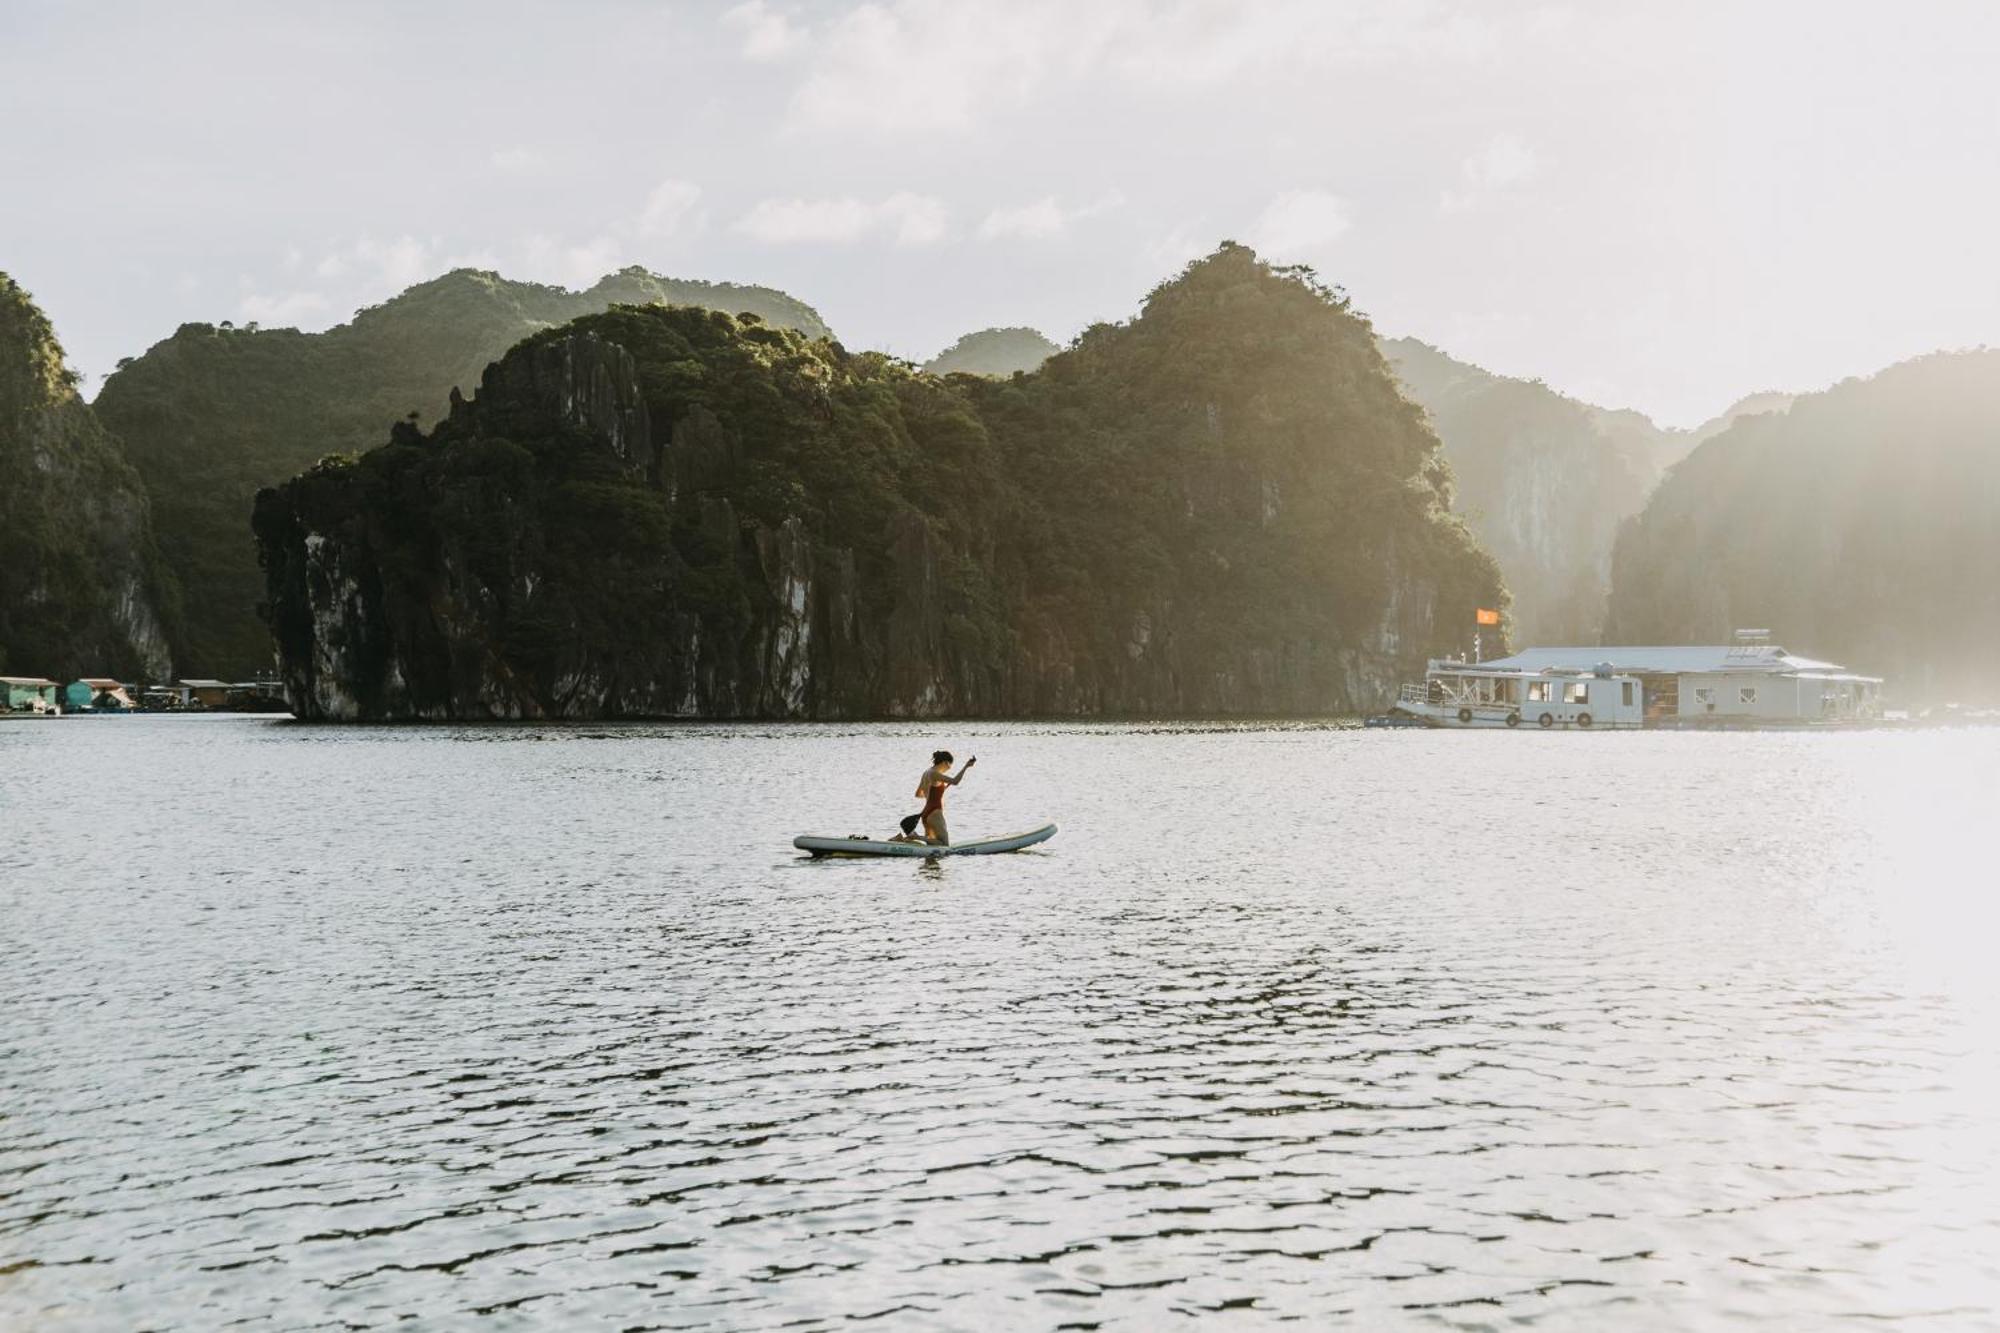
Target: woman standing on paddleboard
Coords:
[[930, 790]]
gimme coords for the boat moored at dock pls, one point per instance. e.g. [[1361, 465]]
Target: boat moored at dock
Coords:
[[1750, 683], [1467, 694]]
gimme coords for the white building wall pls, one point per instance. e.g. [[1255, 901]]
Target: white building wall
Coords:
[[1788, 697]]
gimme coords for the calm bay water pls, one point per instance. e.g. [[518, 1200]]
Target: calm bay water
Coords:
[[549, 1027]]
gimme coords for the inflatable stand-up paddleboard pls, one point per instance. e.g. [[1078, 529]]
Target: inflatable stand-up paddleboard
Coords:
[[860, 846]]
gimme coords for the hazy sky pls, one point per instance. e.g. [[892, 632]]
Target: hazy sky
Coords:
[[1659, 205]]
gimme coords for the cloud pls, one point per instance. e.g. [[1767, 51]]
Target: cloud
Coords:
[[284, 308], [518, 160], [669, 206], [909, 219], [550, 259], [1175, 249], [371, 269], [929, 66], [394, 264], [1298, 224], [1507, 160], [1044, 218], [920, 66], [482, 258], [1504, 163], [768, 34], [1173, 45], [364, 270]]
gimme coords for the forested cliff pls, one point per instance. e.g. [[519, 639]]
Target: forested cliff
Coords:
[[214, 413], [1223, 505], [1861, 525], [80, 587], [1543, 480]]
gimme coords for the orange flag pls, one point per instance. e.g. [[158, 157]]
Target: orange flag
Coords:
[[1485, 617]]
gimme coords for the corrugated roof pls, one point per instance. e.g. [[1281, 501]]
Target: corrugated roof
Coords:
[[38, 681], [206, 684], [1675, 660]]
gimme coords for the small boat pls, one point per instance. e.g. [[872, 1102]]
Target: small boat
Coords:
[[1464, 694], [856, 844]]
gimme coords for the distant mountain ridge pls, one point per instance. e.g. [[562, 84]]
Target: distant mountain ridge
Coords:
[[1750, 405], [214, 413], [995, 352], [1861, 524], [1543, 480]]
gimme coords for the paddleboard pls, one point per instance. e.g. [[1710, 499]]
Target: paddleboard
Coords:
[[860, 846]]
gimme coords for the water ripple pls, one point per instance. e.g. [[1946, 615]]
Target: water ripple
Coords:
[[517, 1028]]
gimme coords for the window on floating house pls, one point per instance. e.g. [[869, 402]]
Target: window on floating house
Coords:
[[1747, 694], [1538, 691], [1627, 693], [1705, 694], [1576, 692]]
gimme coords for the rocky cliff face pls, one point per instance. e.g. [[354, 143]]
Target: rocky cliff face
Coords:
[[213, 414], [1862, 524], [630, 556], [1543, 480], [672, 513], [80, 591]]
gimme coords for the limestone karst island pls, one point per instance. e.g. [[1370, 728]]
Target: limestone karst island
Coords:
[[958, 666], [669, 499]]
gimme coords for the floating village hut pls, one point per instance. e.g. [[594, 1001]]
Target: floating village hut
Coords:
[[27, 694], [1752, 682], [96, 694], [203, 693]]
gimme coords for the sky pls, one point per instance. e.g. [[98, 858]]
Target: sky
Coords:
[[1662, 206]]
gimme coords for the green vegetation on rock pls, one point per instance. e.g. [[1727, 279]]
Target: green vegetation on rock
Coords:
[[1222, 506], [1861, 525], [995, 352], [80, 587], [1229, 490], [214, 413]]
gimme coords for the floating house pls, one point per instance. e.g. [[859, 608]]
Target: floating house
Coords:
[[259, 696], [204, 693], [1752, 682], [96, 694], [27, 694]]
